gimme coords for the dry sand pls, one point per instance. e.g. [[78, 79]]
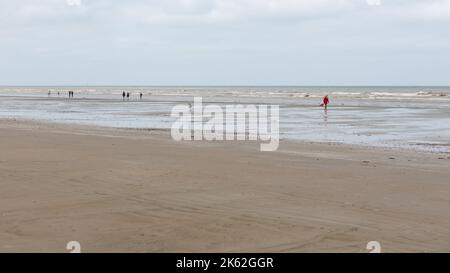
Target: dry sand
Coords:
[[140, 191]]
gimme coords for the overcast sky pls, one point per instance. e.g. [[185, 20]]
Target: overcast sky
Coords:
[[225, 42]]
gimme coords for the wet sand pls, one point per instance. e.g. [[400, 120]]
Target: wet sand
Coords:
[[140, 191], [420, 124]]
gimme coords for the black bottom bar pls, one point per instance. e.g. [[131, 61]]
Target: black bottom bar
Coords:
[[222, 262]]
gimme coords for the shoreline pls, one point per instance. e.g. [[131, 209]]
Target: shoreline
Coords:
[[166, 133], [419, 126], [125, 191]]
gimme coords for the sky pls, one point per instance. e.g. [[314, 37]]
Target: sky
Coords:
[[224, 42]]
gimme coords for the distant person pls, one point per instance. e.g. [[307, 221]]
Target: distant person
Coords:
[[49, 93], [58, 93], [123, 95], [128, 95], [140, 96], [326, 100]]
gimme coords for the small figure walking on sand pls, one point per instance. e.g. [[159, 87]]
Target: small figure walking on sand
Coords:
[[123, 95], [140, 96], [49, 93], [326, 100], [128, 95]]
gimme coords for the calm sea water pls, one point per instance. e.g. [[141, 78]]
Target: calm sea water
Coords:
[[396, 117]]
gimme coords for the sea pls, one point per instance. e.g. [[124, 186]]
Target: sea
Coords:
[[407, 117]]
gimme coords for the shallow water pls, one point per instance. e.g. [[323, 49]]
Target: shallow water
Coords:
[[400, 117]]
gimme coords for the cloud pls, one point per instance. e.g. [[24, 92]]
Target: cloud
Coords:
[[194, 11], [373, 2], [277, 40], [73, 2]]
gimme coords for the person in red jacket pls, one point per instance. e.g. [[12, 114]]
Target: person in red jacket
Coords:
[[326, 100]]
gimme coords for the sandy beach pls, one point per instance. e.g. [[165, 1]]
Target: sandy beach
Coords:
[[140, 191]]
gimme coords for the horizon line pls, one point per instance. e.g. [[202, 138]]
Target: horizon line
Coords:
[[232, 85]]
